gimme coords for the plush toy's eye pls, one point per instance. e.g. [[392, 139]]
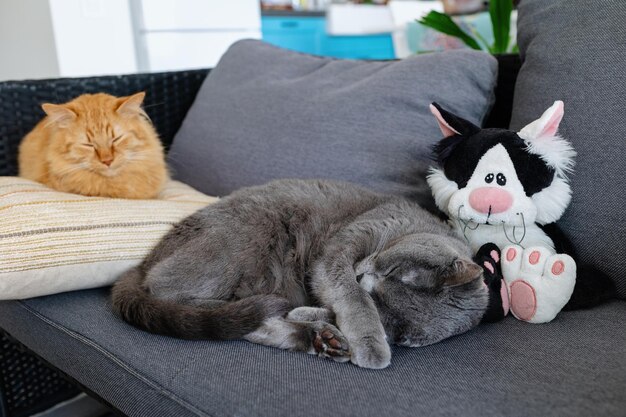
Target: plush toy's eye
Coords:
[[501, 179], [489, 178]]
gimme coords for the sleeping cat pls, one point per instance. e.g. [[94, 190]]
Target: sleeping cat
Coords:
[[95, 145], [278, 264]]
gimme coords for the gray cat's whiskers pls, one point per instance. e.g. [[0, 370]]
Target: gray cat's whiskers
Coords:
[[382, 242]]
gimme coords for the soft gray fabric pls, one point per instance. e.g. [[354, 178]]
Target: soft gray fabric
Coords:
[[573, 366], [265, 113], [575, 51]]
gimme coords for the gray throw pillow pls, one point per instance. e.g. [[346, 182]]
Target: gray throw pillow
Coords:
[[575, 51], [265, 113]]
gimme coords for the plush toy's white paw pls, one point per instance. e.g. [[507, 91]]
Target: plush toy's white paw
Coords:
[[540, 283]]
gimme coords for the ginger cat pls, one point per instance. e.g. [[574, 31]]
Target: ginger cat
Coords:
[[96, 145]]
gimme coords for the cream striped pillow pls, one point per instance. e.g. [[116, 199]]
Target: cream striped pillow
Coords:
[[52, 242]]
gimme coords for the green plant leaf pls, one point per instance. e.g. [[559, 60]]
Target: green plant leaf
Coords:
[[443, 23], [500, 12], [479, 37], [515, 49]]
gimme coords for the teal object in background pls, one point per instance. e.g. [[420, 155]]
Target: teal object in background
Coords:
[[308, 35], [303, 34]]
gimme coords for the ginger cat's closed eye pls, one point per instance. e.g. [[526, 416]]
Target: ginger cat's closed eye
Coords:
[[96, 145]]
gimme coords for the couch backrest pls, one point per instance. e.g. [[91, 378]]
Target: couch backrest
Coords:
[[169, 96]]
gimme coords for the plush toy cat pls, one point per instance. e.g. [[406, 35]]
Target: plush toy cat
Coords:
[[508, 188]]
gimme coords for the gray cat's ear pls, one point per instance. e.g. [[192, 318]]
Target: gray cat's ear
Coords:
[[131, 105], [461, 272]]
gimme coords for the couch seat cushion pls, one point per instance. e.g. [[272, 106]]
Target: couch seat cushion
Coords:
[[573, 366]]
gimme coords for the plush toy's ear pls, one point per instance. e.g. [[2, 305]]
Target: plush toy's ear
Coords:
[[451, 124], [547, 125], [542, 139]]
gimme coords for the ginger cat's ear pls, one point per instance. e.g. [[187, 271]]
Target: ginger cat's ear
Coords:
[[58, 113], [131, 105]]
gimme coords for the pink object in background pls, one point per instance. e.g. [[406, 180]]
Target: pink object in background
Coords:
[[462, 6]]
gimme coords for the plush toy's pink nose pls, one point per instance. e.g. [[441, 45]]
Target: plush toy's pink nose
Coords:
[[490, 200]]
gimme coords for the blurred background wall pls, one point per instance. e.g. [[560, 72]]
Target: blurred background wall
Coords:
[[73, 38], [27, 48]]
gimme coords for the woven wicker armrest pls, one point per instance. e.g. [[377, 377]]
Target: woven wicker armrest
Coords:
[[26, 384], [169, 96]]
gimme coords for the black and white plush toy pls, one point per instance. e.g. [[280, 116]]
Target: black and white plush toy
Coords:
[[506, 188]]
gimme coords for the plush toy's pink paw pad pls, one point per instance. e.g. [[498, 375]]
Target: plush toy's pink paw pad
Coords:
[[504, 293], [495, 255], [534, 257], [511, 254], [540, 282], [523, 300], [558, 267], [489, 267]]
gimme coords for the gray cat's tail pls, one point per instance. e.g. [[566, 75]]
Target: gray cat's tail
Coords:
[[231, 320]]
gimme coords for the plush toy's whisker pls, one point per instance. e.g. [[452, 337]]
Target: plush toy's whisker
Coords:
[[471, 228], [514, 240], [465, 224], [464, 235]]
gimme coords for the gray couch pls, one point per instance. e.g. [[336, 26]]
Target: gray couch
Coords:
[[573, 366]]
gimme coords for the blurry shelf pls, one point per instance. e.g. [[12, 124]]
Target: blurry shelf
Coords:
[[292, 13], [308, 35]]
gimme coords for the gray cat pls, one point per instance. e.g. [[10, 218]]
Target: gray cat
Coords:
[[278, 264]]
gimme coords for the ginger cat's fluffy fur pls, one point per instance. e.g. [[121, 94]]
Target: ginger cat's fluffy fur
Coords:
[[96, 145]]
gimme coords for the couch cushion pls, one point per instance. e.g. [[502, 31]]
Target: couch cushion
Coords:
[[265, 113], [52, 241], [574, 50], [573, 366]]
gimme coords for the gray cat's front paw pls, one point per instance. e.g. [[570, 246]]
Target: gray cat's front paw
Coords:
[[370, 352], [306, 313]]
